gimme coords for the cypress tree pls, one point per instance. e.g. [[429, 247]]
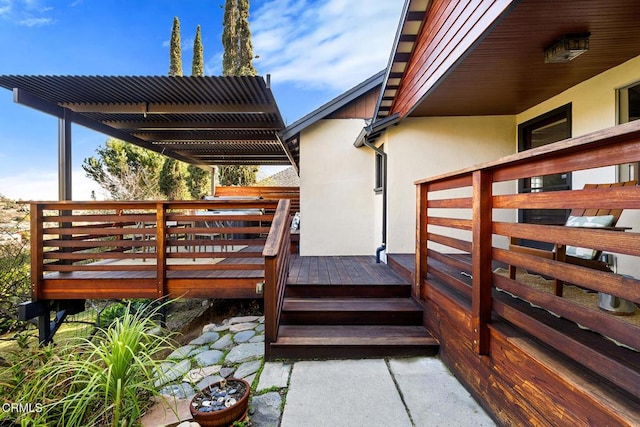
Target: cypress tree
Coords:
[[237, 61], [197, 65], [175, 50], [236, 40], [245, 47], [229, 39]]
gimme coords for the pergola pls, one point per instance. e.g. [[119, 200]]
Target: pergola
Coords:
[[204, 121]]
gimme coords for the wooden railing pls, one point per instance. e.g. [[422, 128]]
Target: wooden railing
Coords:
[[276, 270], [199, 249], [268, 193], [466, 218]]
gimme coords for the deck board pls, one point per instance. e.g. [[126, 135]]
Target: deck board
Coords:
[[341, 270], [220, 283]]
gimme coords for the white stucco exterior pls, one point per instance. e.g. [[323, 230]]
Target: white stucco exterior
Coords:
[[336, 190], [423, 147]]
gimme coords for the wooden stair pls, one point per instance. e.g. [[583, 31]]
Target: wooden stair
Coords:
[[351, 321]]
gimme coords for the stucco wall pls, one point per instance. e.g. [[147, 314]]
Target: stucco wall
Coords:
[[594, 107], [336, 190], [423, 147]]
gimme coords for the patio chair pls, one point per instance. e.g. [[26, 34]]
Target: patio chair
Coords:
[[590, 258]]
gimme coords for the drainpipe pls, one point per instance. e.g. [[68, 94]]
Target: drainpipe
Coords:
[[383, 246]]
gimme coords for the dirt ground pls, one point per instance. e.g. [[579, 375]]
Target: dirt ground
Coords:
[[187, 317]]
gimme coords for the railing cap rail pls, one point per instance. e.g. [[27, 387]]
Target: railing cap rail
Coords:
[[581, 143], [279, 227], [152, 204]]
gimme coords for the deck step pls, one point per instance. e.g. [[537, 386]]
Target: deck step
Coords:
[[351, 311], [340, 341], [403, 265], [347, 291]]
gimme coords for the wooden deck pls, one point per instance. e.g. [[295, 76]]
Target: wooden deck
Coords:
[[342, 270]]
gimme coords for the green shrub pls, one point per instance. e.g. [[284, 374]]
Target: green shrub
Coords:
[[118, 309], [14, 283], [105, 381]]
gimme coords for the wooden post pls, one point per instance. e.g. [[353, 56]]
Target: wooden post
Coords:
[[37, 250], [420, 291], [161, 249], [481, 259], [270, 303]]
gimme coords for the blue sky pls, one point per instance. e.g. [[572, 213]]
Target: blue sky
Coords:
[[313, 49]]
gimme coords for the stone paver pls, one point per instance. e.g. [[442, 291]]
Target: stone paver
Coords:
[[224, 342], [243, 319], [244, 336], [247, 369], [266, 411], [244, 352], [181, 352], [239, 327], [274, 374], [208, 358], [206, 338], [197, 374]]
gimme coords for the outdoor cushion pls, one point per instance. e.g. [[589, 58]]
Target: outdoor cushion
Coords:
[[587, 221]]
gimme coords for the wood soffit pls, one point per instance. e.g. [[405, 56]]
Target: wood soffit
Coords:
[[504, 73]]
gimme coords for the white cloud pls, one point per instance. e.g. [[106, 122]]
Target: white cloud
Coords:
[[35, 22], [26, 13], [43, 185], [325, 45]]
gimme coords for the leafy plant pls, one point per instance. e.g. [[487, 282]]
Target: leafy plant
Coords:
[[105, 381], [116, 310], [14, 272]]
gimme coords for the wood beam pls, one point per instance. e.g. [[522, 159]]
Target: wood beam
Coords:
[[204, 125], [189, 137], [160, 108]]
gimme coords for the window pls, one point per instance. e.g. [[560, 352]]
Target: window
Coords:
[[628, 111], [550, 127], [379, 171]]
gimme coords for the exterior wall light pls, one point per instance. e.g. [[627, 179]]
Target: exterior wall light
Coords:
[[567, 48]]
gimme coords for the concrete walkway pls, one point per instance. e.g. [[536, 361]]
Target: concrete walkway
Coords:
[[398, 392], [394, 392]]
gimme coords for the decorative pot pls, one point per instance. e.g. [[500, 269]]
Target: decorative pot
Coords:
[[222, 417]]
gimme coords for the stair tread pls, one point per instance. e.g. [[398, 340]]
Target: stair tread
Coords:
[[358, 335], [351, 304], [348, 291]]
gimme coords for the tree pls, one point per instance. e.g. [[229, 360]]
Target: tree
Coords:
[[173, 180], [125, 171], [237, 61], [236, 40], [198, 182], [197, 65], [229, 38], [175, 50], [243, 175]]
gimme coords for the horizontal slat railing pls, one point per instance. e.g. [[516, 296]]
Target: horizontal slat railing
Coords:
[[461, 240], [265, 192], [276, 257], [152, 249]]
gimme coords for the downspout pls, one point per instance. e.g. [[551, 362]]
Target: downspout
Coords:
[[380, 152]]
